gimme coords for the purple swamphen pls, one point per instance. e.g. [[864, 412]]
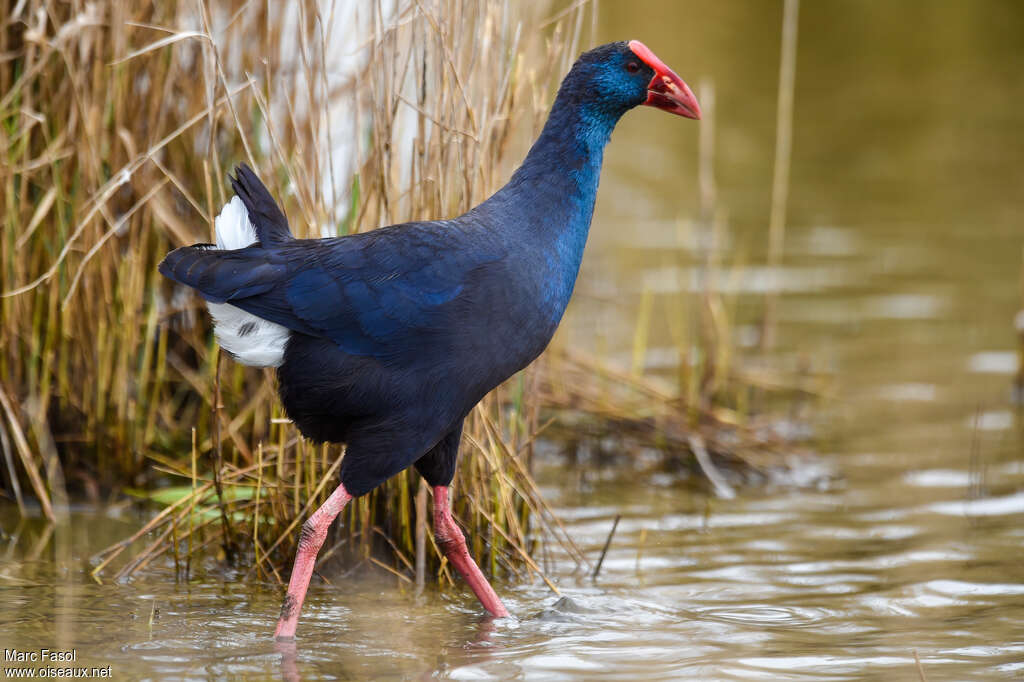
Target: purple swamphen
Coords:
[[386, 340]]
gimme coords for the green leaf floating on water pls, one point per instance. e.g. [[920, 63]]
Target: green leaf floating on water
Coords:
[[173, 494], [170, 495]]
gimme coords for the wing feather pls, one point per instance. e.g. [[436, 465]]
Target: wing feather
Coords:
[[374, 294]]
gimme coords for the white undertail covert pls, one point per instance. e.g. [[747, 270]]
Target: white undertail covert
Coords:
[[249, 339]]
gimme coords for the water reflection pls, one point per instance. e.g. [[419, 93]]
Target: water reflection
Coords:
[[289, 660], [900, 279], [732, 593]]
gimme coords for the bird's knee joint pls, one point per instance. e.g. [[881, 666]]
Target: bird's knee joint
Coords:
[[444, 540], [310, 537], [449, 540]]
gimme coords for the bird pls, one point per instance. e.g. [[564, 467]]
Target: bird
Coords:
[[385, 340]]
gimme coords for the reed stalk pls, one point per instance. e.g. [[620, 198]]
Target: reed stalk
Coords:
[[780, 175]]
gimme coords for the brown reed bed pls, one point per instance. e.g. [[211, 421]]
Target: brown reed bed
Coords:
[[118, 121]]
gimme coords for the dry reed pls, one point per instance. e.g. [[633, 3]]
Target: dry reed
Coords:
[[783, 151], [118, 121]]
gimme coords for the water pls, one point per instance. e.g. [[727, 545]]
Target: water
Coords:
[[900, 282]]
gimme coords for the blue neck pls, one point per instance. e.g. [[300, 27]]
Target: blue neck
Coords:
[[549, 202], [557, 183]]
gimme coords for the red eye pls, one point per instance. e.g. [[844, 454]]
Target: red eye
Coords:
[[632, 67]]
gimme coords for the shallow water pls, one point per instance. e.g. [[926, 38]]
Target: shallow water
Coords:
[[900, 281]]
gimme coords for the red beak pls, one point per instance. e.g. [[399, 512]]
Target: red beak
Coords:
[[666, 90]]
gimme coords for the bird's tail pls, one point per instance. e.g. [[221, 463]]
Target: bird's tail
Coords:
[[271, 227], [233, 228], [222, 273]]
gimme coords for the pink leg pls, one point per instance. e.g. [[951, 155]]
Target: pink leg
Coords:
[[453, 544], [314, 531]]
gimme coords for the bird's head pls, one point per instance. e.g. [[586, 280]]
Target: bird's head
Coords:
[[613, 78]]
